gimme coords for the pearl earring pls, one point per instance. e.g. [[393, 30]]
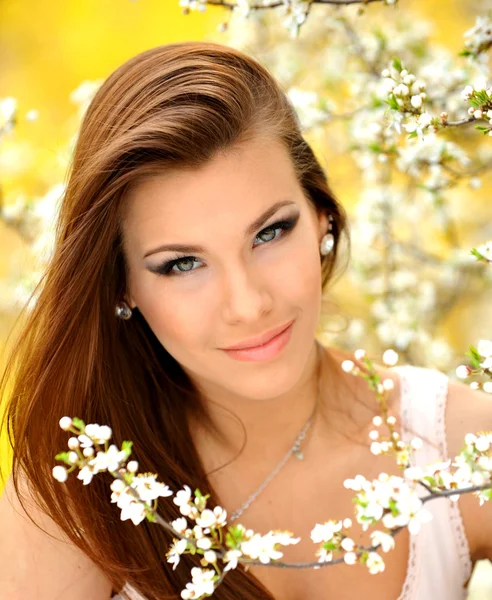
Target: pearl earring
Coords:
[[123, 311], [328, 241]]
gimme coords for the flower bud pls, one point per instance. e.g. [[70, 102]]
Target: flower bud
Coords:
[[376, 448], [348, 544], [462, 371], [388, 384], [348, 366], [390, 358], [65, 423], [132, 466], [73, 457], [210, 556], [60, 473], [73, 443]]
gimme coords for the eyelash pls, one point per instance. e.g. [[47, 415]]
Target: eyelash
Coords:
[[285, 225]]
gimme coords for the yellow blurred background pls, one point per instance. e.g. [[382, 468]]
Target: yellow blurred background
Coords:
[[48, 50], [47, 54]]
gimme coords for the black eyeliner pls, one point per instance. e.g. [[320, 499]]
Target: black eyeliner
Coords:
[[285, 224]]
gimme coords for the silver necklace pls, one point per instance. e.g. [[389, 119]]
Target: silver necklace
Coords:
[[294, 450]]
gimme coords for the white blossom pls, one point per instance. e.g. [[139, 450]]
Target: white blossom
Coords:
[[375, 563], [175, 552], [60, 473], [202, 583], [325, 532], [231, 558], [386, 541], [484, 348], [148, 488]]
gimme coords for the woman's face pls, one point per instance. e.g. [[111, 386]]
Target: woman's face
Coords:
[[248, 263]]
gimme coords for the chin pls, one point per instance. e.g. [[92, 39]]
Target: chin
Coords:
[[263, 381]]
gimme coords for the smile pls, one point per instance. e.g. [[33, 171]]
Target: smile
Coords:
[[262, 352]]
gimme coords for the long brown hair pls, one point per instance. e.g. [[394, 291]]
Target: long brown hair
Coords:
[[169, 107]]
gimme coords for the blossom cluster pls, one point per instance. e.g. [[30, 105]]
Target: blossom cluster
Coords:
[[386, 504], [478, 39], [480, 365], [480, 99], [136, 494], [405, 91]]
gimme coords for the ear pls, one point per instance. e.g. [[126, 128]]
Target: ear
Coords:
[[323, 225], [129, 299]]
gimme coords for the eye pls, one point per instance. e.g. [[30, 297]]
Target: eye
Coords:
[[183, 264], [274, 231]]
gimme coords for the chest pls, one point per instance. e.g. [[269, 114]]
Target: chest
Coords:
[[300, 496]]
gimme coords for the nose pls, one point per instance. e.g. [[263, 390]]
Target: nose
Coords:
[[246, 298]]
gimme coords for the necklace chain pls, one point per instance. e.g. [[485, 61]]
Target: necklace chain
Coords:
[[295, 449]]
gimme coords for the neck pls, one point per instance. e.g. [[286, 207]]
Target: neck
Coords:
[[256, 429]]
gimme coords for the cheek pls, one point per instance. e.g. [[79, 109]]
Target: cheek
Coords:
[[176, 321], [297, 276]]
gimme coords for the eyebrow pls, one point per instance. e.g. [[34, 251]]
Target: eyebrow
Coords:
[[257, 223]]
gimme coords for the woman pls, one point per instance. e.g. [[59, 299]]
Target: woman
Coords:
[[197, 211]]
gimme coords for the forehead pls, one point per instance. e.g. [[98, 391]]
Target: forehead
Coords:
[[239, 183]]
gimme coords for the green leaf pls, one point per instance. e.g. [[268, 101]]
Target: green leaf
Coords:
[[476, 254], [126, 446], [78, 423], [475, 357], [392, 103], [397, 64], [63, 456]]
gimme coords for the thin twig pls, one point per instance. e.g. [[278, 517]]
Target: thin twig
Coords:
[[459, 123], [394, 533], [359, 48], [277, 3]]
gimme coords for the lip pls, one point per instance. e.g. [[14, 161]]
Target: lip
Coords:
[[264, 352], [260, 340]]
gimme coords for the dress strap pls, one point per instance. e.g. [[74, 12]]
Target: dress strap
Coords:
[[424, 395]]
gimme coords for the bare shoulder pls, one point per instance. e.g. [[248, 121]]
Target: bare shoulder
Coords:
[[470, 411], [361, 400], [41, 566]]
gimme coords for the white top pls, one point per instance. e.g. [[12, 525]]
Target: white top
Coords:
[[439, 561]]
